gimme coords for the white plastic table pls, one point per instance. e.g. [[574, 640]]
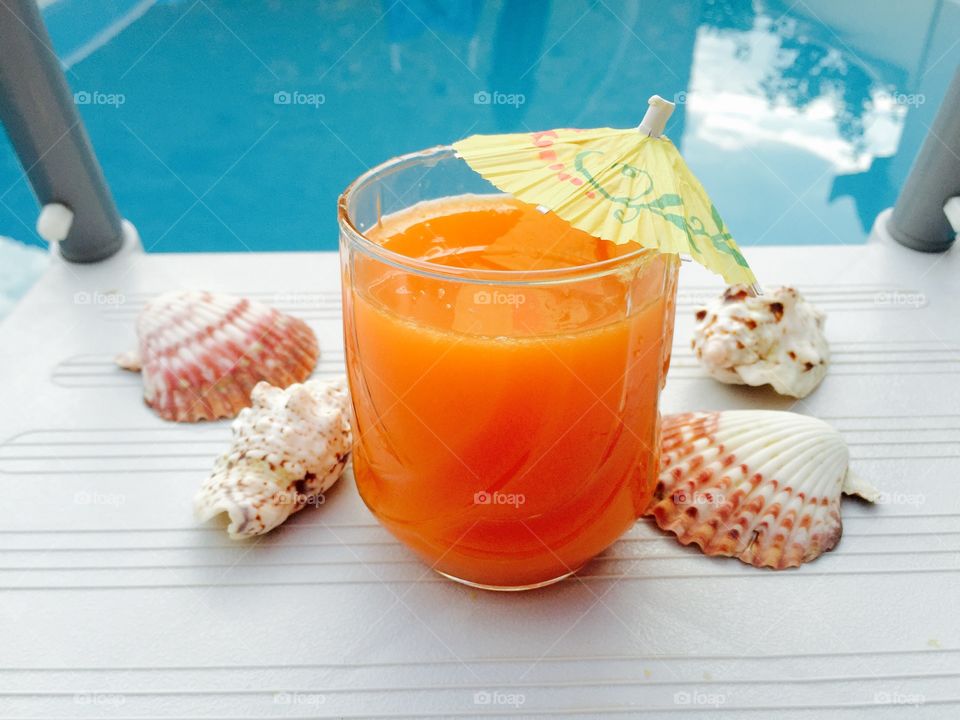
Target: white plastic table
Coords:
[[115, 603]]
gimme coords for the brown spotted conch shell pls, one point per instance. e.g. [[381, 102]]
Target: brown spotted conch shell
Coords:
[[775, 339], [287, 450]]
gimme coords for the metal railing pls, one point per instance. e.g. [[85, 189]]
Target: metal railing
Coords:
[[45, 129], [927, 212]]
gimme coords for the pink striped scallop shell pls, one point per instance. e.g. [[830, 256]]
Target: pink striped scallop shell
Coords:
[[202, 353]]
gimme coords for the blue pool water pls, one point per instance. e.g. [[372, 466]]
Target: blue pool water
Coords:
[[228, 126]]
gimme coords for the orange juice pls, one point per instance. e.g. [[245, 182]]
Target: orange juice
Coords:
[[505, 404]]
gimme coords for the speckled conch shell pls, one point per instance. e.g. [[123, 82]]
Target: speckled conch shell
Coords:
[[287, 449], [758, 485], [201, 353], [776, 339]]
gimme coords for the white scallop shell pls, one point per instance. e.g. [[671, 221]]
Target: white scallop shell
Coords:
[[759, 485], [776, 339], [287, 450]]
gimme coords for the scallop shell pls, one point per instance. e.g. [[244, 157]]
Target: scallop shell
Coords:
[[201, 353], [776, 339], [287, 450], [758, 485]]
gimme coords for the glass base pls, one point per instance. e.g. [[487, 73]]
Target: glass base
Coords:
[[507, 588]]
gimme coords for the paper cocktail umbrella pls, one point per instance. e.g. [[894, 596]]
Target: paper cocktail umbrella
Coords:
[[619, 185]]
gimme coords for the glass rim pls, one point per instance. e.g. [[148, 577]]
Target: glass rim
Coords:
[[374, 249]]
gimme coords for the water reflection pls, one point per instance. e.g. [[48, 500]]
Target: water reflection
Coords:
[[801, 118], [773, 80], [765, 76]]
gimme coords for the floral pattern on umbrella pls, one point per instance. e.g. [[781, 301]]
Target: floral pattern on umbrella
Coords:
[[618, 185]]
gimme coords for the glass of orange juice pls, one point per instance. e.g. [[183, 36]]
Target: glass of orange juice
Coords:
[[505, 370]]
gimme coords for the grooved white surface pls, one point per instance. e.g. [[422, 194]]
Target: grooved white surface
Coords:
[[113, 603]]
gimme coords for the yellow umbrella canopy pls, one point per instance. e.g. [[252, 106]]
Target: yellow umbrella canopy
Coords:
[[619, 185]]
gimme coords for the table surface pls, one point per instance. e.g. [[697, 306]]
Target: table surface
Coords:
[[115, 603]]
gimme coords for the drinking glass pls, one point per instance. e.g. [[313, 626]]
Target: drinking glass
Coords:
[[506, 421]]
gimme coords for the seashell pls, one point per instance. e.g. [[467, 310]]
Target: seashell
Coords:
[[758, 485], [287, 449], [776, 339], [201, 353]]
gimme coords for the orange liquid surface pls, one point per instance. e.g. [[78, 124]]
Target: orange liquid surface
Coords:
[[506, 434]]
